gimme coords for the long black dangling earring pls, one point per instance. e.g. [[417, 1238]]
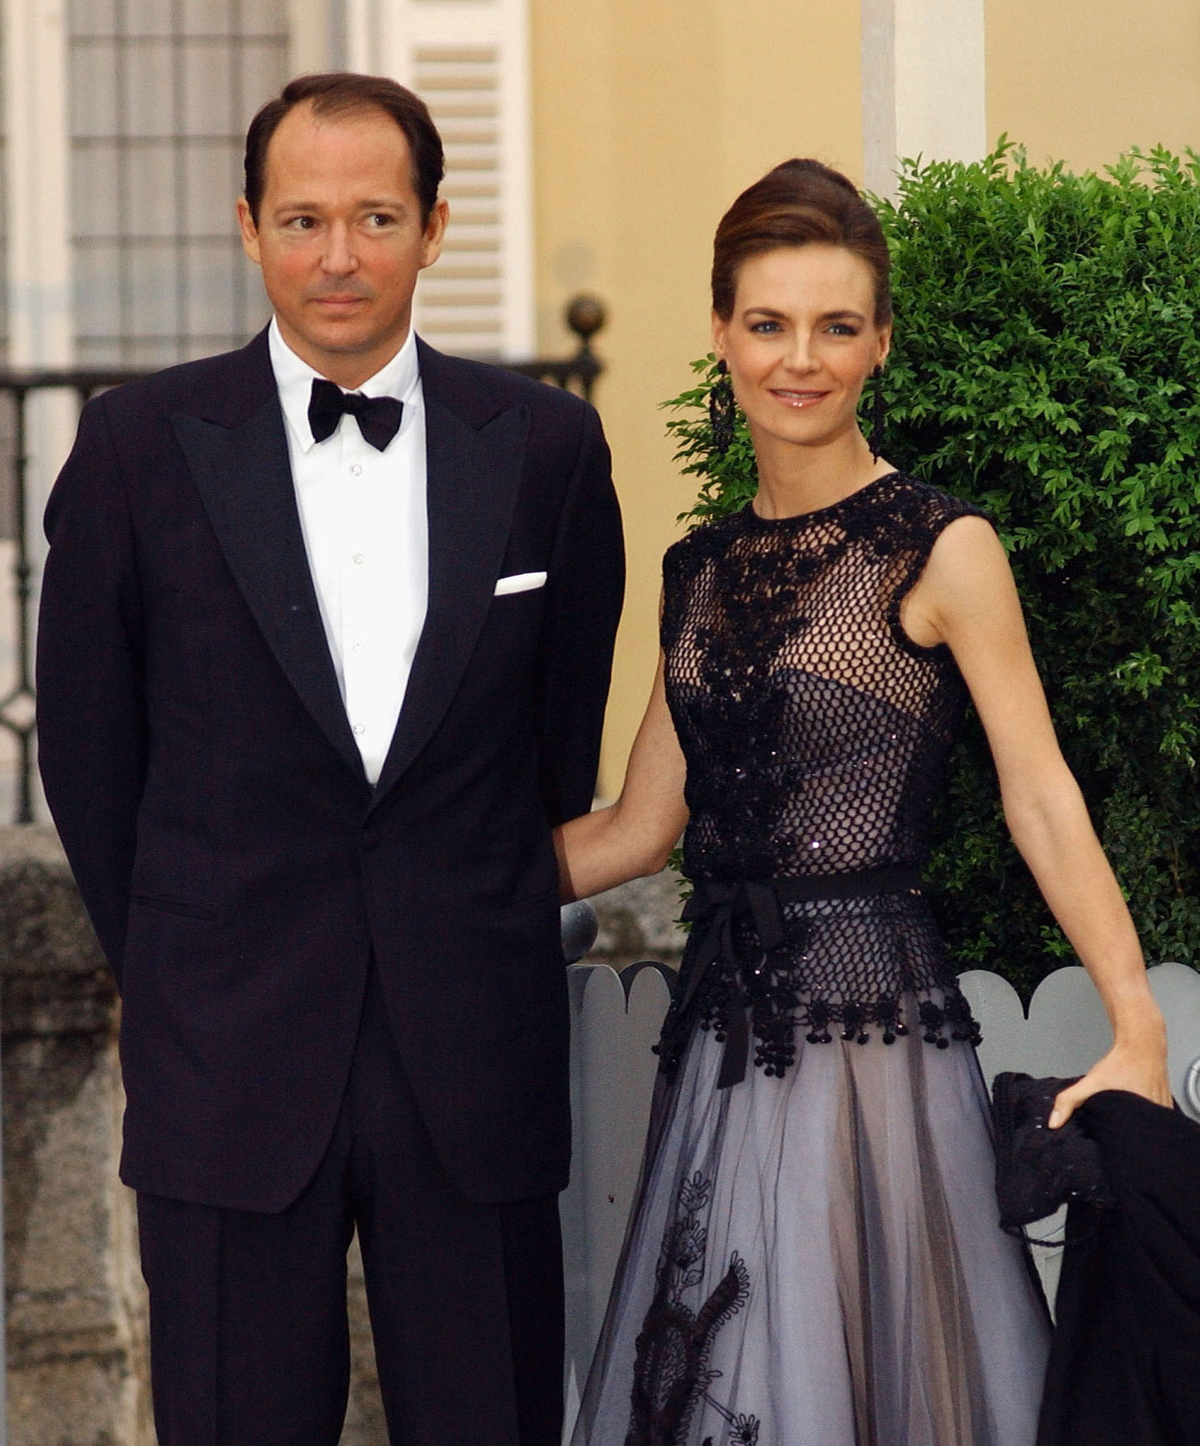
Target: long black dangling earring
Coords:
[[878, 415], [722, 409]]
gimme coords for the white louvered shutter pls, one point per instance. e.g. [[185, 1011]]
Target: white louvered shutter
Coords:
[[469, 60]]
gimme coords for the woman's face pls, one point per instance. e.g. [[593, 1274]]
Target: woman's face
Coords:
[[801, 342]]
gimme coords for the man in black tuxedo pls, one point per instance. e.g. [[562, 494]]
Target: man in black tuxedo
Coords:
[[325, 640]]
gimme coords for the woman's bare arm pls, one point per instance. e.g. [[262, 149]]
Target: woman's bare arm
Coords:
[[634, 836], [967, 599]]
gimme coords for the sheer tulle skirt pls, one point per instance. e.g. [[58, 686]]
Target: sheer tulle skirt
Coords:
[[815, 1261]]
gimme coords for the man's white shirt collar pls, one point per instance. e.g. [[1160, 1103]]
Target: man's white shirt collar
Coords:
[[401, 378]]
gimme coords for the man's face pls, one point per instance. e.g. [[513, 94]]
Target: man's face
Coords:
[[340, 240]]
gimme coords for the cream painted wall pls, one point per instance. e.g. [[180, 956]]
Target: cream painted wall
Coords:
[[649, 117], [1083, 80]]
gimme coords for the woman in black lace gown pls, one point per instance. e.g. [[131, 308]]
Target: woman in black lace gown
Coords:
[[813, 1258]]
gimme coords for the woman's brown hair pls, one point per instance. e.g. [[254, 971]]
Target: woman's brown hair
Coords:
[[799, 203]]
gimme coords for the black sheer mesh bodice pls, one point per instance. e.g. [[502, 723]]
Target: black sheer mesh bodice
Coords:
[[816, 734]]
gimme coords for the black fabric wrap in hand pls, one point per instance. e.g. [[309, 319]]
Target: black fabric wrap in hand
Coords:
[[1037, 1168]]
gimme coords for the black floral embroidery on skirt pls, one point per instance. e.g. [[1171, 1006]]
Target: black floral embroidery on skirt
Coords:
[[672, 1372], [777, 1006]]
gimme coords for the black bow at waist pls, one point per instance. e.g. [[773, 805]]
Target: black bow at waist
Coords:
[[717, 904]]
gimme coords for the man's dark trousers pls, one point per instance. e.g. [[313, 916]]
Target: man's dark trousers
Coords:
[[463, 1296], [245, 879]]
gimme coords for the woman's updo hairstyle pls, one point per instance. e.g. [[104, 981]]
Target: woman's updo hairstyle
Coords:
[[799, 203]]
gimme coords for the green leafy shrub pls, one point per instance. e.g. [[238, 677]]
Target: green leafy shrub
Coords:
[[1046, 365]]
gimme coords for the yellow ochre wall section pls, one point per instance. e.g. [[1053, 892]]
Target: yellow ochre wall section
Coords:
[[1083, 80], [650, 115]]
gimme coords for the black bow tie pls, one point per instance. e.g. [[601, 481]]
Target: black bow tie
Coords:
[[378, 417]]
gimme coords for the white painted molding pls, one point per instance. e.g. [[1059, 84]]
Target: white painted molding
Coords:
[[41, 322], [310, 36], [923, 84], [34, 48], [362, 22]]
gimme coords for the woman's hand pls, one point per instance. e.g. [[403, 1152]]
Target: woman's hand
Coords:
[[1140, 1068]]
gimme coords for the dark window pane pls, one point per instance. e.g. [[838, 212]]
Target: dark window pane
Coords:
[[148, 17], [148, 105], [208, 17], [263, 75], [153, 278], [95, 186], [207, 79], [212, 288], [93, 96], [153, 195], [92, 17], [211, 184], [152, 354], [97, 295]]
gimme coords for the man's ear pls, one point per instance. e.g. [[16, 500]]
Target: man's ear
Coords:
[[249, 231], [435, 232]]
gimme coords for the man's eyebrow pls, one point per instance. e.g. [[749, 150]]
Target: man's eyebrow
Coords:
[[394, 204]]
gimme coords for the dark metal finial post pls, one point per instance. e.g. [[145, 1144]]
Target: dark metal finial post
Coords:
[[586, 315]]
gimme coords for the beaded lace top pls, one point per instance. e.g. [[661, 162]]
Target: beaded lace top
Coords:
[[816, 734]]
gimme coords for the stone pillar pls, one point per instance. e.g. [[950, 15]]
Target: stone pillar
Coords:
[[76, 1307], [923, 85]]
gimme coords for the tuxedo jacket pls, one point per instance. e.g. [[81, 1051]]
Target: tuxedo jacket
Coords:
[[240, 870]]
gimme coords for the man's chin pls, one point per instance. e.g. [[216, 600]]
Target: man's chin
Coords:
[[352, 337], [345, 354], [343, 338]]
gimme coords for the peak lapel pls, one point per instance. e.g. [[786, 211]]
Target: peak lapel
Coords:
[[245, 480], [472, 478]]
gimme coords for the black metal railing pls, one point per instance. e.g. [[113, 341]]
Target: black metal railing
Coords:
[[585, 315]]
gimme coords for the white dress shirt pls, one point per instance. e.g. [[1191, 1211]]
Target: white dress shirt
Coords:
[[366, 530]]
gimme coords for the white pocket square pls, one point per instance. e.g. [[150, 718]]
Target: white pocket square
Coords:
[[520, 582]]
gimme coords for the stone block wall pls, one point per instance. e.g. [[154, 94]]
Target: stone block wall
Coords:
[[639, 921], [76, 1337]]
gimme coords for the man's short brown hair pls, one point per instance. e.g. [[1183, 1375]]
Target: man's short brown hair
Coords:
[[341, 93]]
